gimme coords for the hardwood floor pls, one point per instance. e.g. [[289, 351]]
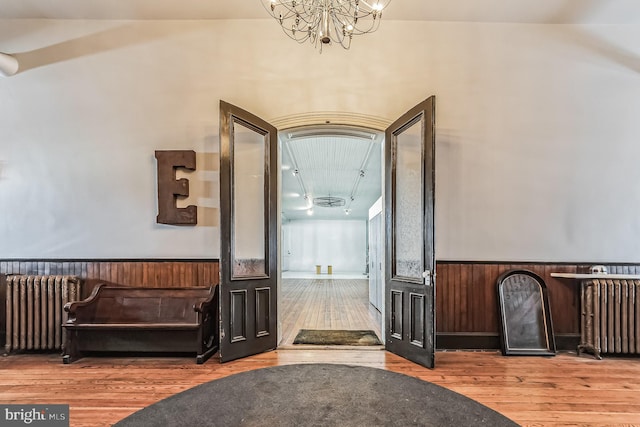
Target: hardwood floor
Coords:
[[533, 391], [326, 304], [564, 390]]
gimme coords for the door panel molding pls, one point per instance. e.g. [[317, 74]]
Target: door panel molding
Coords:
[[238, 325], [397, 314], [263, 311], [417, 319]]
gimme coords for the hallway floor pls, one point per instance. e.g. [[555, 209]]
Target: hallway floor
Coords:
[[326, 303], [324, 275]]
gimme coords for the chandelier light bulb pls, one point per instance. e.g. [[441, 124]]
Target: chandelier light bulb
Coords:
[[322, 22]]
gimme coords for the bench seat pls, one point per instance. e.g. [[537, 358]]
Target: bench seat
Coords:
[[134, 319], [178, 326]]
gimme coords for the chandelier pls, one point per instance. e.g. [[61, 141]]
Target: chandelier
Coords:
[[326, 21]]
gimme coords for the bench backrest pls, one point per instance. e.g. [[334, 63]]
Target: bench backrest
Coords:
[[143, 305]]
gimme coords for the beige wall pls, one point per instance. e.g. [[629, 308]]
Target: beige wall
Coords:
[[537, 129]]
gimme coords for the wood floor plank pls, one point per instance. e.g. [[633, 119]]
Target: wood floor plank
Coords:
[[326, 304], [565, 390]]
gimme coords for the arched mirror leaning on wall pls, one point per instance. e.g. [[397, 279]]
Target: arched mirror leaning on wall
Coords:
[[524, 314]]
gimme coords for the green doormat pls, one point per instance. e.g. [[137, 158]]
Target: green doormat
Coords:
[[336, 337]]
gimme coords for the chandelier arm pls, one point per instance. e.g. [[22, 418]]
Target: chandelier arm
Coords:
[[339, 34], [292, 36], [358, 31], [292, 8], [357, 27], [361, 8], [297, 25], [285, 10], [326, 21]]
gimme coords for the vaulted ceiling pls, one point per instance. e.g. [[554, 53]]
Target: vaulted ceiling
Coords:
[[524, 11]]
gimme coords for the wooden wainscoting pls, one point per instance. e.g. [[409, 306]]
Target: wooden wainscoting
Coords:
[[139, 272], [466, 300], [467, 303], [145, 273]]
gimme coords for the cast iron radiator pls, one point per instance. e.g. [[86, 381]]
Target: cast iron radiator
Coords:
[[610, 321], [34, 308]]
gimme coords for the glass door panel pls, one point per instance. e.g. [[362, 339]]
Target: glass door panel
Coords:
[[250, 158], [408, 206]]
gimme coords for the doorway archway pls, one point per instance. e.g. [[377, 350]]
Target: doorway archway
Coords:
[[331, 175], [331, 118]]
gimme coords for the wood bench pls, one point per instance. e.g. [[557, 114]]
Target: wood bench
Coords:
[[134, 319]]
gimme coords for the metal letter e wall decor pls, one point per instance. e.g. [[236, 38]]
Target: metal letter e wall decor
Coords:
[[169, 188]]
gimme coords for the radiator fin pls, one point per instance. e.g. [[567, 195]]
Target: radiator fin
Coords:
[[610, 320], [34, 311]]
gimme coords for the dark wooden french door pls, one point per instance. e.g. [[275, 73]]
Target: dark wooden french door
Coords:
[[409, 222], [248, 234]]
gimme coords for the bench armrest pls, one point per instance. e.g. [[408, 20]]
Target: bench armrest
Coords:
[[205, 305], [72, 306]]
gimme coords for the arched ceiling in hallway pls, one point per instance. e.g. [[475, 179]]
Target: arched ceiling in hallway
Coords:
[[340, 163]]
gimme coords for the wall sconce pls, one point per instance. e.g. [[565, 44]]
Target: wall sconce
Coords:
[[8, 65]]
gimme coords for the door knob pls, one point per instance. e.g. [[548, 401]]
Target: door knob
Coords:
[[427, 277]]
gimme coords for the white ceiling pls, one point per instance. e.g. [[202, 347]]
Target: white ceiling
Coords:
[[331, 162], [524, 11]]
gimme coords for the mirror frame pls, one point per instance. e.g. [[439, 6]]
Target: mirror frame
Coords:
[[508, 323]]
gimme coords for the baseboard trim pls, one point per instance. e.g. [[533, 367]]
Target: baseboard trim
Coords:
[[491, 341], [467, 341], [567, 342], [471, 341]]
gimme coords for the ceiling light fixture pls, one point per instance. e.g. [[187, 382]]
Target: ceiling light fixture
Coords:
[[296, 172], [8, 65], [326, 21], [361, 174], [329, 201]]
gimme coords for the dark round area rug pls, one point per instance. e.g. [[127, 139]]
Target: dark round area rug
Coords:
[[317, 395]]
